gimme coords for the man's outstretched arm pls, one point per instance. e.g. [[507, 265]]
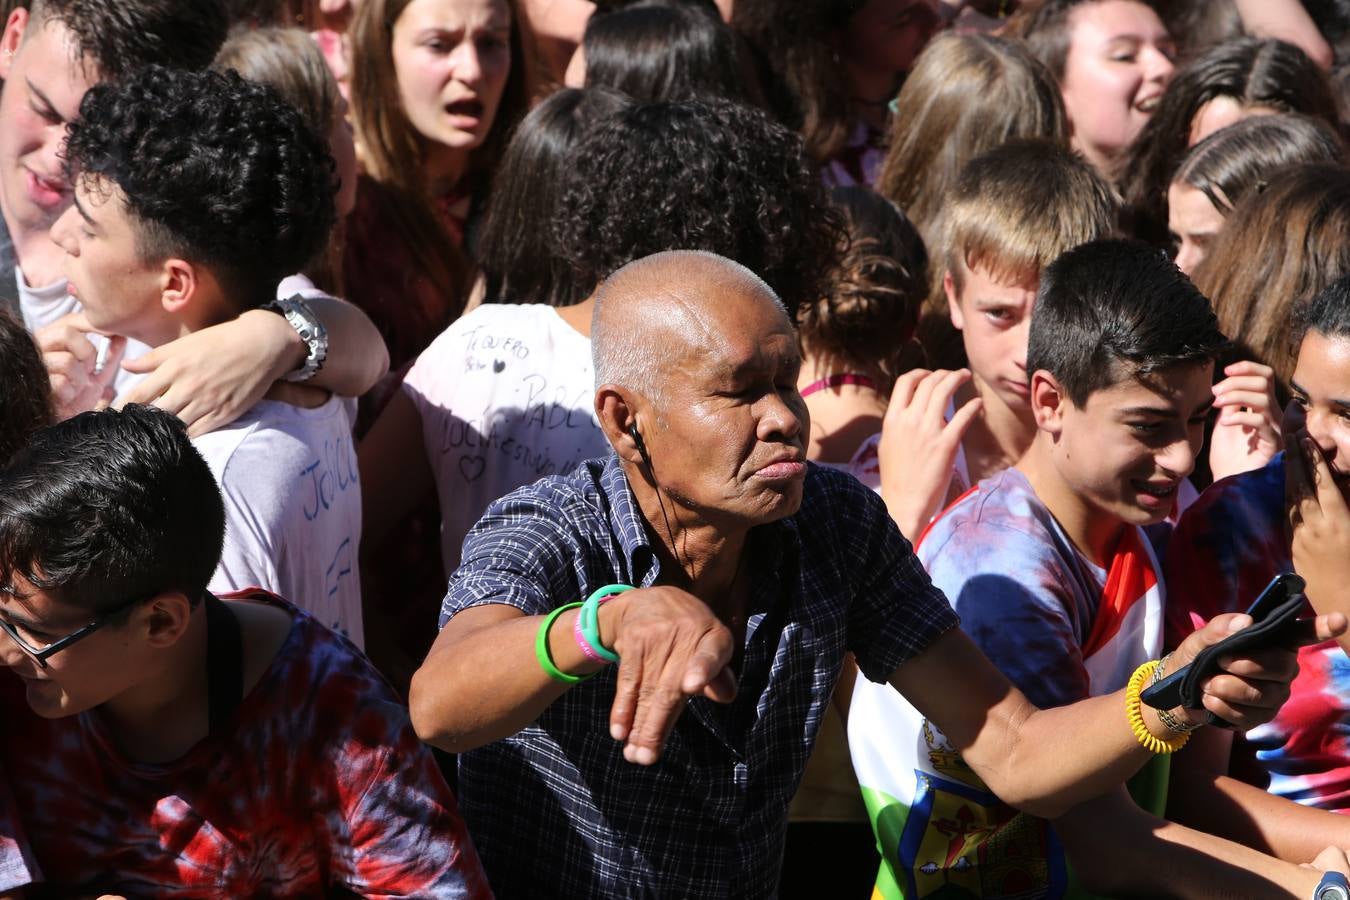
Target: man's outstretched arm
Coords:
[[1047, 761]]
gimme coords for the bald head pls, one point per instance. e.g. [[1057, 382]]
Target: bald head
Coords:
[[660, 310]]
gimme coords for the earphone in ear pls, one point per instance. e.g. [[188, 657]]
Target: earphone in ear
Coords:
[[641, 445]]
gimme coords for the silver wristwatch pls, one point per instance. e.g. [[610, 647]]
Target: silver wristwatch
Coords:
[[300, 317]]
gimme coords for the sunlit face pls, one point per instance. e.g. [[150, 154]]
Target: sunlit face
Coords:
[[730, 431], [1128, 448], [885, 36], [120, 292], [1194, 223], [1320, 400], [44, 83], [1220, 113], [1119, 62], [452, 59], [80, 677], [994, 318]]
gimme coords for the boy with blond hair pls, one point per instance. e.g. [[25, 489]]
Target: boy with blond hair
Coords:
[[1012, 211]]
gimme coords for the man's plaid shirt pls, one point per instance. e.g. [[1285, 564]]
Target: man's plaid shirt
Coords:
[[555, 811]]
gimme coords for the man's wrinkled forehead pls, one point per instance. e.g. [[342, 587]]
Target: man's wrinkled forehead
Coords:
[[722, 321]]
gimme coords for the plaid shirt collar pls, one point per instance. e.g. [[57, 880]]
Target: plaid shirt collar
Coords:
[[766, 542]]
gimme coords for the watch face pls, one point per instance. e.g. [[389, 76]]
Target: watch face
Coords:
[[1333, 886]]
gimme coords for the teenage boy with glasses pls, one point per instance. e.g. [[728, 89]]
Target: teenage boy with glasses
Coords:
[[158, 738]]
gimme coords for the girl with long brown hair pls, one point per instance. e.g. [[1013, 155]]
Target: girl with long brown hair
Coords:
[[436, 87]]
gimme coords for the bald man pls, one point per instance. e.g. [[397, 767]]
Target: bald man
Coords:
[[755, 573]]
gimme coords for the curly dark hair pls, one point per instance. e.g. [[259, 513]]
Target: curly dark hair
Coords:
[[705, 174], [215, 169], [1253, 72], [517, 251], [25, 402], [121, 36]]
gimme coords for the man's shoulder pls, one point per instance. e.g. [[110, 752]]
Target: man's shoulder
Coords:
[[579, 506], [829, 492]]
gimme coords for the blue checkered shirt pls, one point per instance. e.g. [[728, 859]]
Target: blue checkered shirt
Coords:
[[555, 811]]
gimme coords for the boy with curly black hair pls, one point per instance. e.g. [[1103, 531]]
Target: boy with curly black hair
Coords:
[[195, 193], [50, 54], [159, 740]]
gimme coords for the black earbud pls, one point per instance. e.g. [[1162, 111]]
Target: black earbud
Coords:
[[641, 446]]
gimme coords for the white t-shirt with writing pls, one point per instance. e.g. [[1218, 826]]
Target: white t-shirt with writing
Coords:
[[506, 396], [292, 508]]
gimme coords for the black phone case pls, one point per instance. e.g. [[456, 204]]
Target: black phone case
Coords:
[[1280, 625]]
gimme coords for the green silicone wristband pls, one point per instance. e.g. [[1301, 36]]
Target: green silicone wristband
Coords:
[[541, 649], [590, 619]]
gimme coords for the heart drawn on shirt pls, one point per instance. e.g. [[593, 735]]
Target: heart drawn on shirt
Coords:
[[471, 467], [498, 365]]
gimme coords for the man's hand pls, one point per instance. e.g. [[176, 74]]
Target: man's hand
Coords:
[[918, 445], [78, 384], [1249, 690], [1320, 524], [671, 647], [211, 377], [1247, 433]]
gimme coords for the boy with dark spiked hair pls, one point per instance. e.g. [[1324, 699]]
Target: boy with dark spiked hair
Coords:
[[1053, 567], [194, 194], [161, 740]]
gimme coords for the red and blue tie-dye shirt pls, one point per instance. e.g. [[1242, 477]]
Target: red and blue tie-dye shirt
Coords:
[[1225, 550], [319, 786]]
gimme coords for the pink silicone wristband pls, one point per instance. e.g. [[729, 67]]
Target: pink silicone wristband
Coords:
[[585, 645]]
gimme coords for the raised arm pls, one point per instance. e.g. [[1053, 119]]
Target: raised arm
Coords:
[[211, 377], [1288, 21], [1047, 761]]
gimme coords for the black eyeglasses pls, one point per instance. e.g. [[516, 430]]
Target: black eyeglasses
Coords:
[[40, 655]]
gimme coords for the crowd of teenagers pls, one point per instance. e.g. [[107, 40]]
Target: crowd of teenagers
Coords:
[[674, 448]]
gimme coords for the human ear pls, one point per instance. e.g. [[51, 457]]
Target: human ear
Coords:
[[953, 301], [178, 284], [1048, 402], [617, 420], [164, 620], [12, 38]]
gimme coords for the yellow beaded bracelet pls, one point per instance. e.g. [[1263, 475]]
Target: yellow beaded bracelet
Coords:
[[1135, 716]]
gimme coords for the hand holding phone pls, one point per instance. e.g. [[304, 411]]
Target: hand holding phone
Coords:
[[1276, 622]]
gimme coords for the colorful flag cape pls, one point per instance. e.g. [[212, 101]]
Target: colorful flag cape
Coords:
[[941, 832]]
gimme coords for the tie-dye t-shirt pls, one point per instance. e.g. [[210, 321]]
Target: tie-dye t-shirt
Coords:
[[1226, 549], [1061, 629], [319, 786]]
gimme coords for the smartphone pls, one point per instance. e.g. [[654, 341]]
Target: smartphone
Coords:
[[1276, 621]]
